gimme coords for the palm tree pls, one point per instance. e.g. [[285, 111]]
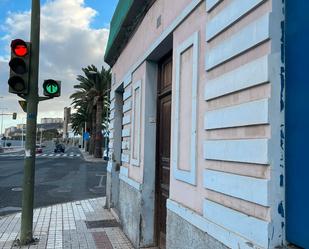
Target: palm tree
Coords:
[[78, 119], [92, 101], [84, 106], [99, 91]]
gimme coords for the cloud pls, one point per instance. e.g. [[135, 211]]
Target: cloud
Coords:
[[68, 43]]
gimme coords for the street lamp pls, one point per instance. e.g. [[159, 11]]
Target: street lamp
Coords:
[[2, 114], [22, 132]]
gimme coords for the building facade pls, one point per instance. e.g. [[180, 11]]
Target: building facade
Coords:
[[21, 126], [207, 128], [51, 120], [67, 121], [9, 130]]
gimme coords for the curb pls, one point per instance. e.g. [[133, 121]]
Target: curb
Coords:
[[90, 158]]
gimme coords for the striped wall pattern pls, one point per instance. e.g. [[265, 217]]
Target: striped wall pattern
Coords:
[[126, 121], [125, 132], [111, 130], [237, 64]]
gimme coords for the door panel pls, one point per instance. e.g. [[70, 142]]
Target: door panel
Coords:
[[297, 123], [163, 146]]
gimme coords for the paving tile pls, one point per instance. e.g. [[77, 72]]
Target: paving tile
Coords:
[[64, 226]]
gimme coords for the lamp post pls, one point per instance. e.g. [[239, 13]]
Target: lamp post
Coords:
[[22, 132], [2, 115]]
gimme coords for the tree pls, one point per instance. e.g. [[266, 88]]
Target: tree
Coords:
[[91, 102], [99, 91]]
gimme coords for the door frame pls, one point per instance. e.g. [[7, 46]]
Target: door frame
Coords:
[[166, 58]]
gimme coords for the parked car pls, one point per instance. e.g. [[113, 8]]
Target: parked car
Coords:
[[60, 148], [38, 149]]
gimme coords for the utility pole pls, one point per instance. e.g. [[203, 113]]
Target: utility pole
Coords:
[[41, 137], [22, 132], [26, 235], [2, 115]]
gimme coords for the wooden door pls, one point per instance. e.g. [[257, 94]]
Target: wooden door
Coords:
[[163, 146]]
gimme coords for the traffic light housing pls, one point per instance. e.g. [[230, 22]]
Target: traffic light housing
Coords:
[[19, 67], [14, 115], [52, 88]]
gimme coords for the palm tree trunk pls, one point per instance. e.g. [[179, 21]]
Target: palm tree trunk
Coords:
[[93, 132], [99, 138]]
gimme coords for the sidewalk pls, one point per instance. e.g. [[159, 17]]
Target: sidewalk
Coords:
[[90, 158], [81, 224]]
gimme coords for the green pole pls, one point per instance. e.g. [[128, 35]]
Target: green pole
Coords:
[[26, 235]]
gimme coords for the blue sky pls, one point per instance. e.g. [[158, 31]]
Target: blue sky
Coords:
[[104, 8], [74, 34]]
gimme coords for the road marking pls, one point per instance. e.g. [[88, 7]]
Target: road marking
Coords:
[[70, 155], [101, 181]]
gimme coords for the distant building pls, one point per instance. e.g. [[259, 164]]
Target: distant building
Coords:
[[67, 121], [51, 123], [21, 126], [51, 120], [9, 130]]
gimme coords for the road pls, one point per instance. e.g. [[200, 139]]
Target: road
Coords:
[[59, 178]]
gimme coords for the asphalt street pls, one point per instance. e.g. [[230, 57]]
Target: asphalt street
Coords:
[[59, 178]]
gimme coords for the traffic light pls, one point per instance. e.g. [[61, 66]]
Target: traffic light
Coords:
[[52, 88], [19, 67], [14, 115]]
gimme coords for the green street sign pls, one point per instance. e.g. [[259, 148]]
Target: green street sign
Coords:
[[52, 88]]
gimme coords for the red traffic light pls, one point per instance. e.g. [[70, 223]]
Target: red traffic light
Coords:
[[19, 47]]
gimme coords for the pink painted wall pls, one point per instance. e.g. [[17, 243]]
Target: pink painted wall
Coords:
[[184, 193], [147, 33], [181, 192], [136, 173], [193, 196]]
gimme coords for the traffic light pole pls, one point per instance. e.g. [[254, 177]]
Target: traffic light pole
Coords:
[[26, 235]]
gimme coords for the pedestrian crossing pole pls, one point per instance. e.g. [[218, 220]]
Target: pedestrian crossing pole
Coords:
[[26, 235]]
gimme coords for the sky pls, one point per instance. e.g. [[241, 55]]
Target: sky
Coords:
[[74, 34]]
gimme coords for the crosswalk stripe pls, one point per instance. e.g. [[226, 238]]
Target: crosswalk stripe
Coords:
[[71, 155]]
